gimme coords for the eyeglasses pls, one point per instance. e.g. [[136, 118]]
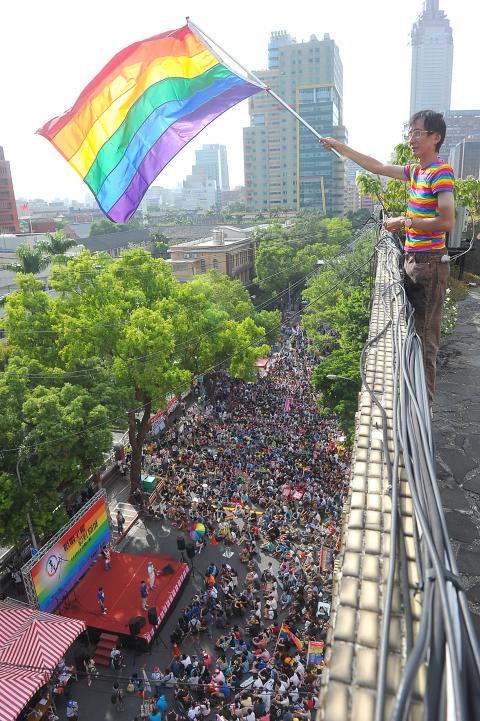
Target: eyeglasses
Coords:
[[417, 134]]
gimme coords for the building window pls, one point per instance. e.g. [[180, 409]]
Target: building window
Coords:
[[215, 264]]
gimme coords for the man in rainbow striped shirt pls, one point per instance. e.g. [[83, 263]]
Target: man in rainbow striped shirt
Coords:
[[430, 214]]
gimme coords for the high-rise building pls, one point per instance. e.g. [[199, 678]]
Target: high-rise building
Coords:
[[460, 124], [213, 158], [432, 60], [278, 38], [465, 158], [352, 194], [8, 207], [285, 165], [199, 192]]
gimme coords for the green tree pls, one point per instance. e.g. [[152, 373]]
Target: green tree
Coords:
[[158, 332], [336, 321], [99, 227], [339, 394], [117, 339], [392, 195], [286, 255], [160, 245], [56, 246], [467, 195], [30, 259]]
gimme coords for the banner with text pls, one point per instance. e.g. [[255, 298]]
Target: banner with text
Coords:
[[65, 562]]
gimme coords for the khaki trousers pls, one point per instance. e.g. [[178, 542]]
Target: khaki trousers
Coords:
[[425, 284]]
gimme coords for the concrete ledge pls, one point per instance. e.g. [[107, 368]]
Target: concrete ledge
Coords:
[[350, 677]]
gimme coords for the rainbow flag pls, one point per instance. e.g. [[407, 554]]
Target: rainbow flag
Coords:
[[146, 104], [285, 632], [315, 652]]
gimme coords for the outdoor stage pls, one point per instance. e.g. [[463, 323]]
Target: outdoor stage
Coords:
[[121, 585]]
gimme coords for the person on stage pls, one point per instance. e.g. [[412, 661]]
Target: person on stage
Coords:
[[151, 575], [101, 599]]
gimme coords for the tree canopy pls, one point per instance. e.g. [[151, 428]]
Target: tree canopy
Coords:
[[287, 254], [117, 339], [336, 320]]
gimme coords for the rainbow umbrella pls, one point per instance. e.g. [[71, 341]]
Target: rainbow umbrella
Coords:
[[197, 531]]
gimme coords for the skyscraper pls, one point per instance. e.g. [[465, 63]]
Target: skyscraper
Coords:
[[213, 159], [285, 166], [8, 207], [432, 60]]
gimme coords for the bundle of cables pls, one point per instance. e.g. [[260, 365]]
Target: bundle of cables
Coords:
[[446, 645]]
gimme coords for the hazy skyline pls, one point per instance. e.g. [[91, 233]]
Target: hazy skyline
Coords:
[[49, 53]]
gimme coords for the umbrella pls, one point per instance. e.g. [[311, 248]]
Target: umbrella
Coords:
[[197, 532]]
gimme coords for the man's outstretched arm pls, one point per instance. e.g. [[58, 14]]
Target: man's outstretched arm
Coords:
[[365, 161]]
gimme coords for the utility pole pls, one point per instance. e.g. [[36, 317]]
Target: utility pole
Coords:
[[29, 519]]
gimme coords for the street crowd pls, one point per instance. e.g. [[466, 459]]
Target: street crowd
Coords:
[[266, 475]]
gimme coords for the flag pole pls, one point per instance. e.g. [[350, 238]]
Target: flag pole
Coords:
[[258, 82]]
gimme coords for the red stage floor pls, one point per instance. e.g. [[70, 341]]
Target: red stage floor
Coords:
[[121, 585]]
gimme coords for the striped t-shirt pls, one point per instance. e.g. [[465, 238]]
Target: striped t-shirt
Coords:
[[425, 184]]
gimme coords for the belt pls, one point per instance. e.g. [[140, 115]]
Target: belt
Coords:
[[426, 255]]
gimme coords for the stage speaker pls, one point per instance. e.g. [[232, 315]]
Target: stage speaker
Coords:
[[152, 616], [180, 543], [190, 550], [135, 624], [167, 570]]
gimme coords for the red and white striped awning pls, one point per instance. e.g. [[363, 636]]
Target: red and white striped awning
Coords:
[[31, 644]]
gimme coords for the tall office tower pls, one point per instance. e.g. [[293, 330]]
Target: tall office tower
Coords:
[[213, 158], [461, 124], [285, 165], [432, 60], [8, 207]]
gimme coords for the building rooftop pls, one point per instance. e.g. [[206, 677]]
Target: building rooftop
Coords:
[[219, 239], [120, 239]]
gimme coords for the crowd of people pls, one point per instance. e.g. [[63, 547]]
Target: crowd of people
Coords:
[[266, 475]]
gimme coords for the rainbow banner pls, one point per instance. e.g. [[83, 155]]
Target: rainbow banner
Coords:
[[66, 561], [146, 104], [315, 653]]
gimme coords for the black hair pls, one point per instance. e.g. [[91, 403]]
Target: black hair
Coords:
[[433, 122]]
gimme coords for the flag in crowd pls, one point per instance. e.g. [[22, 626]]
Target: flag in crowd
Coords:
[[285, 632], [146, 104], [287, 406], [315, 652], [325, 560]]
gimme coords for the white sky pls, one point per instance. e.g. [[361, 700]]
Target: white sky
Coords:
[[49, 51]]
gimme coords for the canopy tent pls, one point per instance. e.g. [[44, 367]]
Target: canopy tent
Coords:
[[32, 642]]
